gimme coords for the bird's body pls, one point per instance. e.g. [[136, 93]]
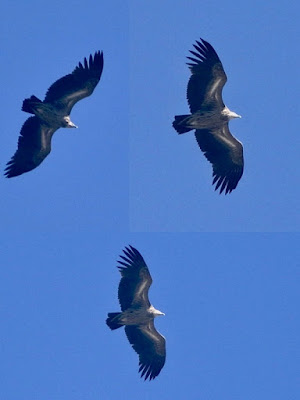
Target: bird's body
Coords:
[[51, 114], [133, 316], [48, 114], [209, 117], [138, 314]]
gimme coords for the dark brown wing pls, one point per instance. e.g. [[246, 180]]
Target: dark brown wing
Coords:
[[207, 79], [150, 345], [66, 91], [33, 147], [225, 153], [135, 281]]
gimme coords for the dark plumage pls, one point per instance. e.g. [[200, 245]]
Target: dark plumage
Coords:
[[209, 117], [138, 314], [53, 113]]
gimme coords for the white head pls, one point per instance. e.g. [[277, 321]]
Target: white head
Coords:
[[155, 312], [230, 114], [69, 123]]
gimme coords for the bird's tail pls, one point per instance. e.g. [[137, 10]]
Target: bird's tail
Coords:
[[179, 124], [28, 104], [113, 320]]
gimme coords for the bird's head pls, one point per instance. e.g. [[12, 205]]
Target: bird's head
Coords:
[[230, 114], [155, 312], [69, 123]]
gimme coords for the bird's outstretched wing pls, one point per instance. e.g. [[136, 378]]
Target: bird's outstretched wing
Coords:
[[150, 345], [208, 77], [225, 153], [66, 91], [135, 281], [33, 147]]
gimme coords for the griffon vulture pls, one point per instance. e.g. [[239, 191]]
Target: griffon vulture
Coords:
[[53, 113], [209, 117], [138, 314]]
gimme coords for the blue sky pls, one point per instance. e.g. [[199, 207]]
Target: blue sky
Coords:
[[232, 316], [170, 178], [125, 177]]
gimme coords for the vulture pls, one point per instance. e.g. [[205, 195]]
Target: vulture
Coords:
[[138, 314], [209, 117], [53, 113]]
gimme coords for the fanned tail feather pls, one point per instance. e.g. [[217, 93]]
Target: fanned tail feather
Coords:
[[28, 104], [113, 320], [179, 126]]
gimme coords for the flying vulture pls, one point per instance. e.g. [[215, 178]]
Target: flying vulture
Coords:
[[209, 117], [138, 314], [53, 113]]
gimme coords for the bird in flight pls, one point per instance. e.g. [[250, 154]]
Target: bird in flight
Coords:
[[210, 117], [53, 113], [138, 314]]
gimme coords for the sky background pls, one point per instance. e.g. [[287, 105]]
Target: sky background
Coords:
[[171, 181], [231, 298], [232, 317]]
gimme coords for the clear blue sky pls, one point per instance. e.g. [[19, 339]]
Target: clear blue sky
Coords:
[[125, 177], [232, 316], [170, 178]]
